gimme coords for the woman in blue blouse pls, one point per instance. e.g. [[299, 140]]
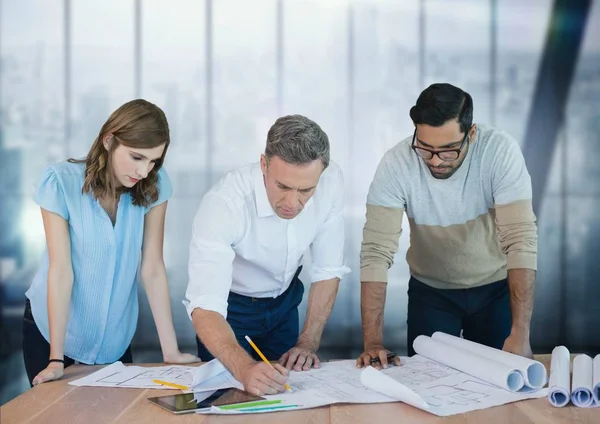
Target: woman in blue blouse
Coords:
[[102, 216]]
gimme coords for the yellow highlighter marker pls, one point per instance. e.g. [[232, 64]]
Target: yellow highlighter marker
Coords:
[[287, 386], [173, 385]]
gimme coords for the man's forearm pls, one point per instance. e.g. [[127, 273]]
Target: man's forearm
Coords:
[[521, 284], [372, 303], [218, 337], [320, 303]]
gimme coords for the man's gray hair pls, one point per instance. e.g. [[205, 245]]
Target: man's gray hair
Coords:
[[297, 140]]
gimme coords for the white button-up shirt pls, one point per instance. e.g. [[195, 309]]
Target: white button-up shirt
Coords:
[[239, 244]]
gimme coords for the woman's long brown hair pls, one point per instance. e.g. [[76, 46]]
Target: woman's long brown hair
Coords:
[[137, 124]]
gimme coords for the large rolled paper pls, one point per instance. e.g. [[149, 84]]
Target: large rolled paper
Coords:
[[581, 387], [378, 381], [596, 380], [533, 372], [488, 370], [559, 388]]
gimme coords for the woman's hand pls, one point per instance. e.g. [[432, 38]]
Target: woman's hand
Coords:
[[180, 358], [54, 371]]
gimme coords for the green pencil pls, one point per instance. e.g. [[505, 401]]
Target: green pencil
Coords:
[[267, 408], [249, 404]]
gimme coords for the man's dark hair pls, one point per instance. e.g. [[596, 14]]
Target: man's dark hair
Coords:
[[440, 103]]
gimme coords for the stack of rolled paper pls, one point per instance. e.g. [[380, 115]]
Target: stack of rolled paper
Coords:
[[583, 389]]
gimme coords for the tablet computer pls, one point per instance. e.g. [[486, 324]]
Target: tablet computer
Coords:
[[193, 402]]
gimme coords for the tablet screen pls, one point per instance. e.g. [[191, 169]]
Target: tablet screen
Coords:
[[189, 402]]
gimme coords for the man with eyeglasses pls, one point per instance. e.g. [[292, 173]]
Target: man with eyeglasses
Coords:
[[473, 239]]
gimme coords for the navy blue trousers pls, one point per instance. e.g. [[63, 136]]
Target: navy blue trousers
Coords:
[[271, 323], [482, 313]]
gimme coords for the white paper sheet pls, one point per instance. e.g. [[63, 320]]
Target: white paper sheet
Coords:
[[533, 372], [382, 383], [419, 381], [223, 380], [210, 376], [449, 391], [213, 376], [488, 370], [596, 380], [559, 388], [581, 387], [119, 375]]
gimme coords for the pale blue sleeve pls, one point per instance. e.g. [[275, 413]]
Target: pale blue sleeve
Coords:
[[50, 194], [165, 189]]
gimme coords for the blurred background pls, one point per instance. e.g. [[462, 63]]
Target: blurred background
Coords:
[[224, 70]]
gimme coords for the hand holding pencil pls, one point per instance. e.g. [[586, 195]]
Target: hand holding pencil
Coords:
[[263, 377]]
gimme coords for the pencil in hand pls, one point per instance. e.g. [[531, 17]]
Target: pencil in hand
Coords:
[[257, 350]]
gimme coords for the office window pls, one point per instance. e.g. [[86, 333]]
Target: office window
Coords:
[[315, 67], [457, 49], [173, 74], [244, 74], [32, 119], [582, 241], [582, 117], [102, 76], [521, 34]]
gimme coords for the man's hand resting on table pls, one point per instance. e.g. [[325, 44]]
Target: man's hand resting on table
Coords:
[[518, 344], [372, 352], [300, 358]]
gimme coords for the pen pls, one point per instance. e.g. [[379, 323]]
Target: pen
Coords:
[[173, 385], [287, 386], [390, 356]]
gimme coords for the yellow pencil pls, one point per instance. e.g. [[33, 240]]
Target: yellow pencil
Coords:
[[173, 385], [287, 386]]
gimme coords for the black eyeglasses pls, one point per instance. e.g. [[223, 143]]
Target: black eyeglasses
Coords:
[[448, 155]]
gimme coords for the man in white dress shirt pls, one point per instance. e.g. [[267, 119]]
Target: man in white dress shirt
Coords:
[[249, 237]]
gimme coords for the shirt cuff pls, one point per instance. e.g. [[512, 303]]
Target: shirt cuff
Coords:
[[322, 273], [208, 303], [525, 260], [374, 275]]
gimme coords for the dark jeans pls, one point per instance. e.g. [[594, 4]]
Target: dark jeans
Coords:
[[482, 313], [271, 323], [36, 350]]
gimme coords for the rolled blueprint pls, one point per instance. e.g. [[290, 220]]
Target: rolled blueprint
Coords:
[[486, 369], [559, 388], [533, 372], [581, 387], [596, 380]]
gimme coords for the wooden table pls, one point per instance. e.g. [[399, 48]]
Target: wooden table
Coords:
[[57, 402]]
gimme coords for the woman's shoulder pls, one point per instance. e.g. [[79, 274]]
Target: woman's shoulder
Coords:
[[65, 172], [59, 183], [68, 168]]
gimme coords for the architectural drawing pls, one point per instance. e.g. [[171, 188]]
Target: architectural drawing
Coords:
[[119, 375], [327, 382], [466, 393], [418, 371], [138, 379]]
